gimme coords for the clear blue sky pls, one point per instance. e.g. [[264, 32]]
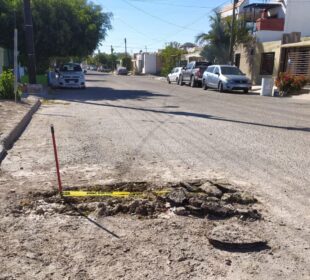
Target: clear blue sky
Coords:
[[152, 23]]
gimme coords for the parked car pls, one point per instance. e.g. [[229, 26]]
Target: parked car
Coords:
[[121, 71], [225, 78], [193, 72], [71, 75], [175, 75]]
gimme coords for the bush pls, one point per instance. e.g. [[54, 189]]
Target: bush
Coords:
[[290, 84], [7, 85]]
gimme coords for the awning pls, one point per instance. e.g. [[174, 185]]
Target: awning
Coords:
[[262, 6], [297, 45]]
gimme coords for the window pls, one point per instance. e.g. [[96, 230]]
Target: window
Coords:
[[216, 70], [267, 63], [229, 70], [237, 60], [210, 69]]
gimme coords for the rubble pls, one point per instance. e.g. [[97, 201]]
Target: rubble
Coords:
[[200, 199]]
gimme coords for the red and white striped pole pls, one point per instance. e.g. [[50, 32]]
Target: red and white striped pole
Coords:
[[56, 160]]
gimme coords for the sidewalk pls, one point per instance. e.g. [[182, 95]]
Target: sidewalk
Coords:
[[14, 117]]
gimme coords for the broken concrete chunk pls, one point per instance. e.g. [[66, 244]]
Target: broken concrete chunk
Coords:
[[211, 190], [178, 196], [180, 211], [195, 201], [217, 210], [239, 197]]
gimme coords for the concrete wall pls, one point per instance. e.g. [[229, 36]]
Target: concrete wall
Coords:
[[268, 36], [250, 64], [297, 17], [149, 63]]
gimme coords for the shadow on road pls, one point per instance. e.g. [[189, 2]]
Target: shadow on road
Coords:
[[93, 94], [102, 93]]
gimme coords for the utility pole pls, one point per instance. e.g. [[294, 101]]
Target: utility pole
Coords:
[[15, 63], [125, 46], [30, 42], [232, 36]]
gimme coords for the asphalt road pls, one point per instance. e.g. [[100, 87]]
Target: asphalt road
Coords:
[[140, 128]]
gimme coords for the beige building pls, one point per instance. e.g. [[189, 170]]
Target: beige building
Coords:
[[268, 59]]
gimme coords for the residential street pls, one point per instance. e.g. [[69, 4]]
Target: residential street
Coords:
[[126, 128]]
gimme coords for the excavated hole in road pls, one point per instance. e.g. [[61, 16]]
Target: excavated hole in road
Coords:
[[205, 199]]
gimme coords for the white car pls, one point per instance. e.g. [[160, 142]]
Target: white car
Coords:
[[71, 75], [175, 75]]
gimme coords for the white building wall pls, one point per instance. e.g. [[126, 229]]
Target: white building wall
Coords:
[[297, 17], [149, 63], [268, 36]]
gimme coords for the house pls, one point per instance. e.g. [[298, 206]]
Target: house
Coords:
[[146, 63], [281, 39], [227, 10], [193, 54]]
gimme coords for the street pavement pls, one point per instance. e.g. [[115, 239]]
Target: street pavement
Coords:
[[126, 128], [139, 128]]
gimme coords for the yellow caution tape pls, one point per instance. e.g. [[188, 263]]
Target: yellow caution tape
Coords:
[[109, 194]]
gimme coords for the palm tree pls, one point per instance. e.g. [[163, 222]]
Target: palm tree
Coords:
[[217, 39]]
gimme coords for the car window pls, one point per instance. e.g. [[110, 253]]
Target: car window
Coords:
[[216, 70], [226, 70], [202, 63], [71, 68], [189, 66], [210, 69]]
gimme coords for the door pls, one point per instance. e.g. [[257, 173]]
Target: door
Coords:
[[209, 74], [216, 77], [188, 71]]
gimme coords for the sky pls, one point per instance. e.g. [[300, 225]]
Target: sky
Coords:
[[149, 24]]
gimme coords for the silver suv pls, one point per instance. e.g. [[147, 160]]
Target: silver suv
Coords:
[[225, 78]]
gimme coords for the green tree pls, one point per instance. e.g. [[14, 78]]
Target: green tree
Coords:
[[217, 39], [66, 28], [171, 57]]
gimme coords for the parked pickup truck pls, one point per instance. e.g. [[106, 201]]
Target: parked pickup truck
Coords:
[[193, 72]]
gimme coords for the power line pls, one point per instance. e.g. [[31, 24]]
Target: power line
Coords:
[[154, 16]]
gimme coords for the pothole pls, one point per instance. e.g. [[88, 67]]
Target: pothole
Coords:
[[204, 199]]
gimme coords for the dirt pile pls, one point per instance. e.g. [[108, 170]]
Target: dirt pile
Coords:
[[209, 199]]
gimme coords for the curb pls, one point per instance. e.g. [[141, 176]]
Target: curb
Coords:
[[8, 141]]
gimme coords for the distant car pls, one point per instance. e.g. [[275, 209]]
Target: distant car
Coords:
[[175, 75], [71, 75], [121, 71], [225, 78]]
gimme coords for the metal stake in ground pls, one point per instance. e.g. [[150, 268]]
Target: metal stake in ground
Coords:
[[56, 160]]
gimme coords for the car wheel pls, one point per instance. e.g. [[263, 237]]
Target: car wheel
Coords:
[[168, 80], [204, 84], [246, 90], [192, 82], [220, 87], [177, 81]]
